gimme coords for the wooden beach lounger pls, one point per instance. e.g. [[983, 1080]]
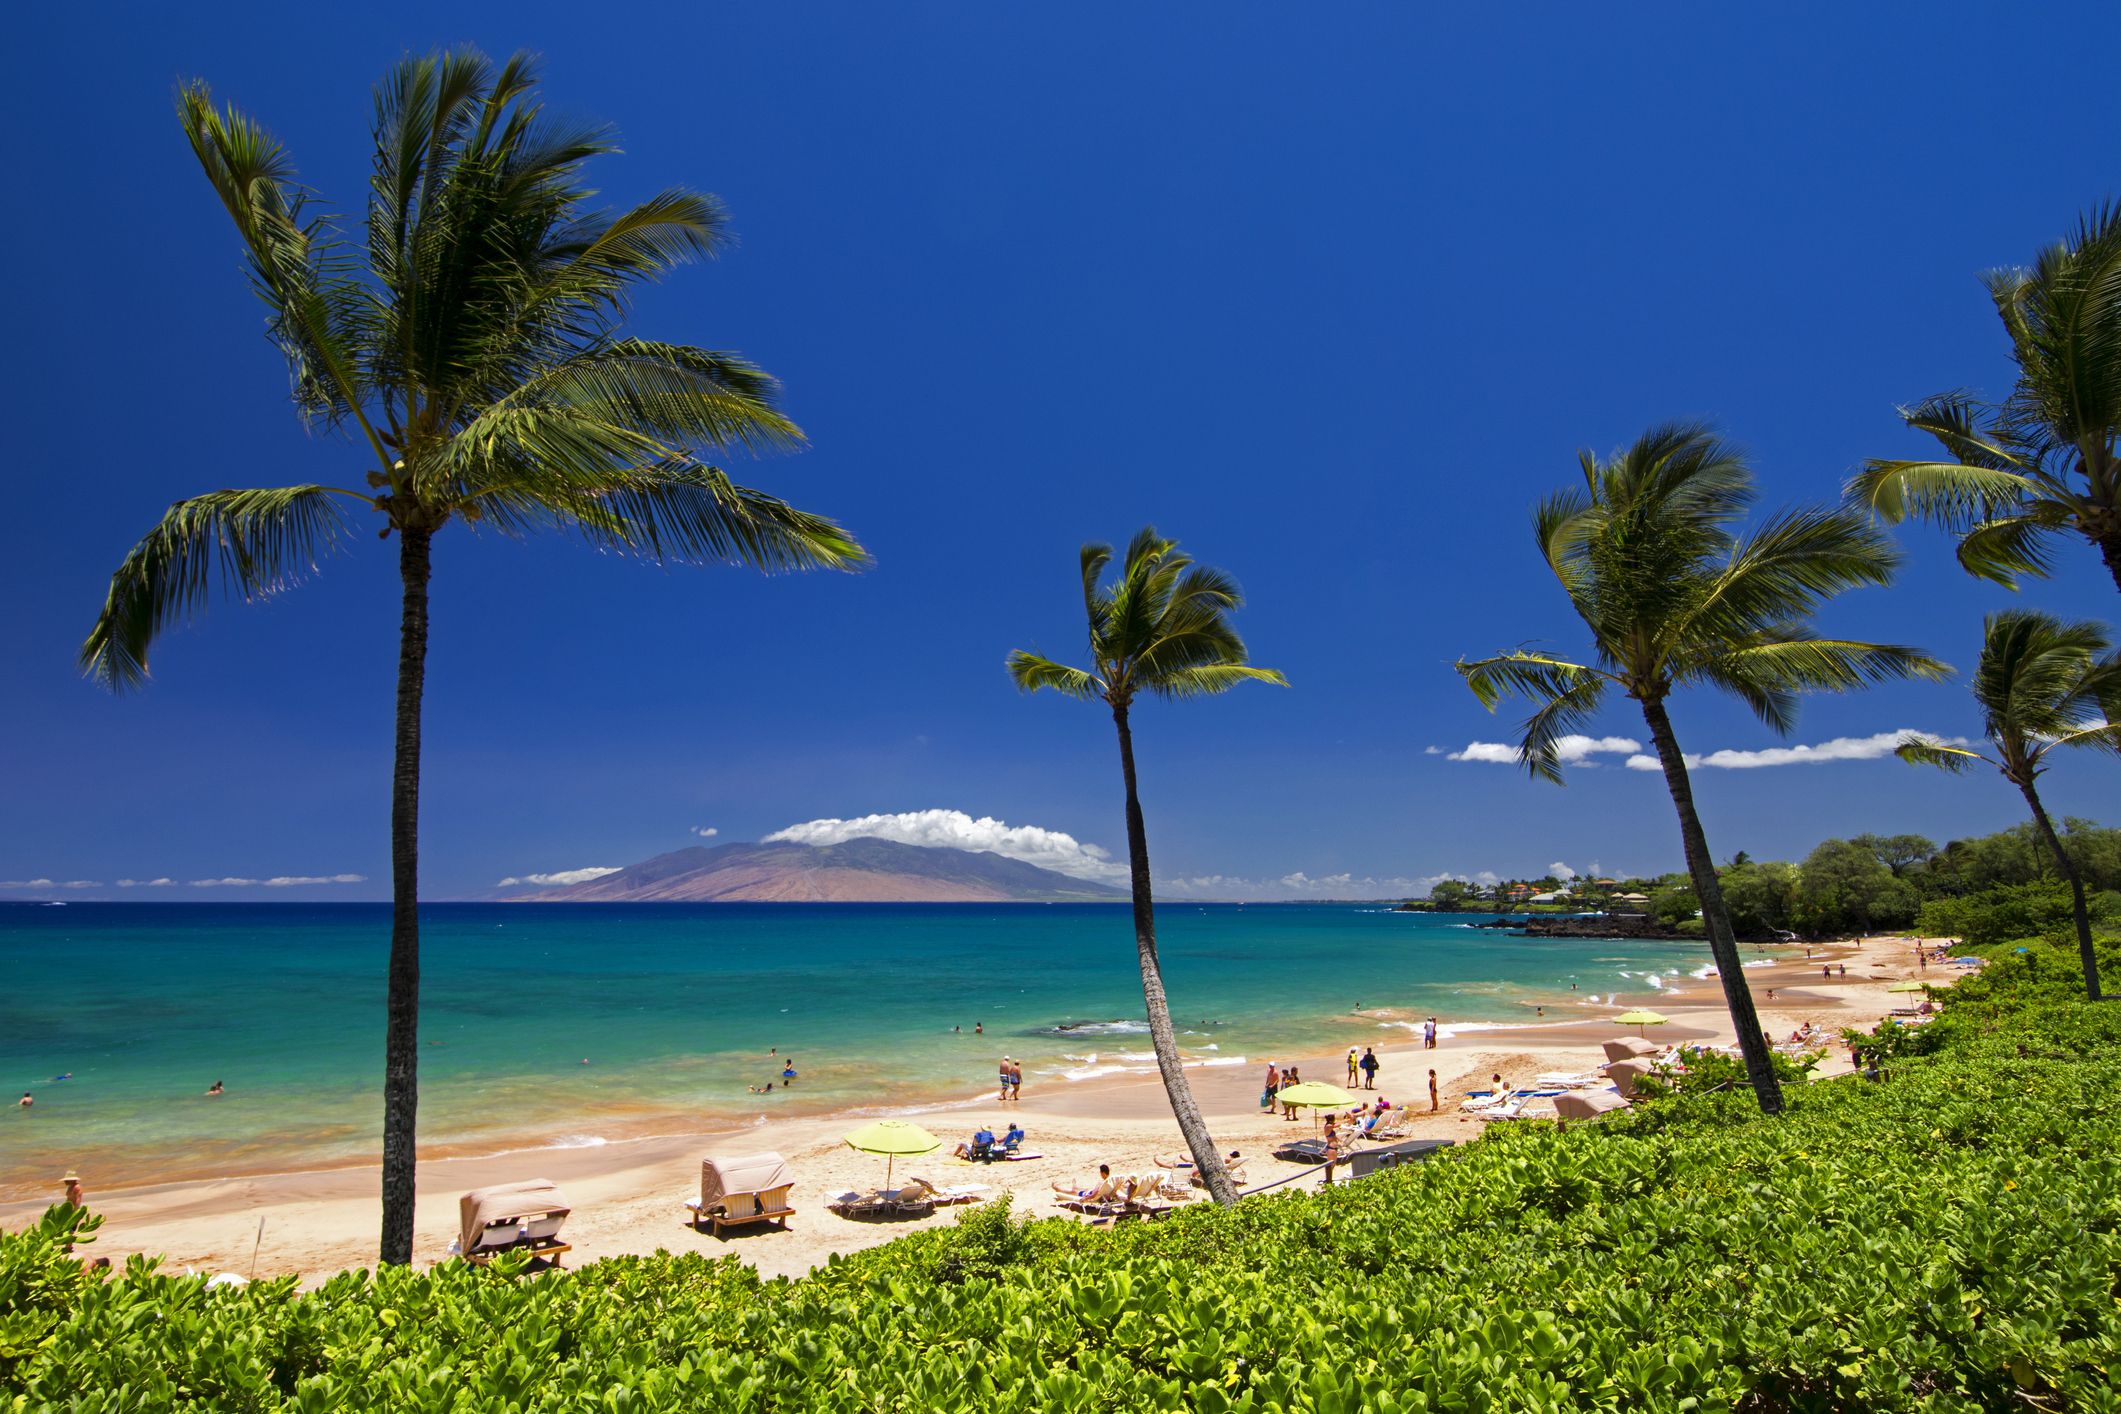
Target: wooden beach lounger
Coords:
[[512, 1217], [738, 1192]]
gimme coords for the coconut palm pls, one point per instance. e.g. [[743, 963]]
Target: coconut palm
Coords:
[[2042, 684], [2043, 463], [471, 347], [1161, 629], [1675, 597]]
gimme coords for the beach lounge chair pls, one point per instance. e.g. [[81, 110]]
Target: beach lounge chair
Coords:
[[1303, 1151], [1624, 1075], [1511, 1108], [947, 1195], [1587, 1104], [736, 1192], [1107, 1199], [1622, 1048], [512, 1217]]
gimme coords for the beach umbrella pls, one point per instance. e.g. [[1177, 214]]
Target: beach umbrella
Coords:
[[891, 1138], [1639, 1018], [1909, 987], [1314, 1094]]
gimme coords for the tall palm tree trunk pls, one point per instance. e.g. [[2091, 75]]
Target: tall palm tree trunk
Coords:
[[2076, 890], [401, 1038], [1723, 947], [1206, 1161]]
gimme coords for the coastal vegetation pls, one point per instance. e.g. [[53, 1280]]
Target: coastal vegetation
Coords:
[[1161, 628], [471, 347], [2042, 684], [1941, 1238], [2042, 463], [1673, 597]]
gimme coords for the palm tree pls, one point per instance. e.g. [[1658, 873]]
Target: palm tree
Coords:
[[2044, 462], [1675, 598], [1162, 628], [471, 346], [2042, 683]]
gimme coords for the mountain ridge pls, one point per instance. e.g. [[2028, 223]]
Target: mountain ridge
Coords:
[[865, 870]]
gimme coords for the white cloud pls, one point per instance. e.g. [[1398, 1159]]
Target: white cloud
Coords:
[[954, 829], [1561, 871], [161, 883], [280, 881], [1841, 748], [562, 876], [1432, 751], [49, 884], [705, 832], [1297, 885], [1572, 749]]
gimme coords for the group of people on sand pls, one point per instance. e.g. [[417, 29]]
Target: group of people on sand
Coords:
[[1366, 1066], [1011, 1077], [983, 1146]]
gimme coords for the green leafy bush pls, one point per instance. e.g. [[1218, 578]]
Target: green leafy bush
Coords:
[[1947, 1239], [2000, 914]]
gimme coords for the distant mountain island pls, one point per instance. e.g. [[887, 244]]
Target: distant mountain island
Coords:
[[858, 871]]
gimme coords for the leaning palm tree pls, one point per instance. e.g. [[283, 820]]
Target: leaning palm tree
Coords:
[[1163, 629], [1674, 597], [2044, 462], [471, 346], [2042, 683]]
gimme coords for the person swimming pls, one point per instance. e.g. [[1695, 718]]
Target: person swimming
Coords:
[[214, 1089]]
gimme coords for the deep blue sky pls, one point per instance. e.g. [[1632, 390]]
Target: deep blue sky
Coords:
[[1332, 296]]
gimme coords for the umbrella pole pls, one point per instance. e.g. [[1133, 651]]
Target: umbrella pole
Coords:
[[889, 1160]]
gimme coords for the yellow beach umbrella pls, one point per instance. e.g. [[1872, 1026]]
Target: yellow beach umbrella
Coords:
[[1909, 987], [891, 1138], [1640, 1019]]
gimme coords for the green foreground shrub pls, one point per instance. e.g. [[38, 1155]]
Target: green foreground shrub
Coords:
[[1945, 1239]]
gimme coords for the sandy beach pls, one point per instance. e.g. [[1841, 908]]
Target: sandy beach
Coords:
[[626, 1195]]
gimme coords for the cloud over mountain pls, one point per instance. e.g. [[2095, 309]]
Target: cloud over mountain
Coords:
[[954, 829]]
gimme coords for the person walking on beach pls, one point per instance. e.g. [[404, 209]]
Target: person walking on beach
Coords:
[[1289, 1077], [1428, 1034], [1016, 1080], [1351, 1065], [1369, 1068], [73, 1190], [1432, 1092], [1002, 1074], [1273, 1083]]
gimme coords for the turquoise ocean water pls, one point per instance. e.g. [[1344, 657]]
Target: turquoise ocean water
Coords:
[[675, 1008]]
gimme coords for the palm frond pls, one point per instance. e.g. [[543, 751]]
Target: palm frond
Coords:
[[1032, 672], [251, 543], [1922, 751], [1208, 679], [688, 511], [2003, 548], [1522, 674], [1952, 495]]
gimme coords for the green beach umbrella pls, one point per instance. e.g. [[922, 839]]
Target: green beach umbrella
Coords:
[[1640, 1019], [891, 1138], [1314, 1094], [1909, 987]]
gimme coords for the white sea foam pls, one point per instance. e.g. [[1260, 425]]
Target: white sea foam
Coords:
[[1655, 981], [579, 1141], [1099, 1028], [1219, 1060], [1761, 962]]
